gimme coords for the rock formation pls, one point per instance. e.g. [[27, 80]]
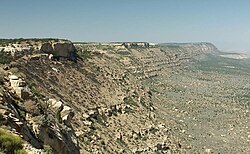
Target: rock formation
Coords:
[[101, 104], [50, 127], [59, 49], [19, 86]]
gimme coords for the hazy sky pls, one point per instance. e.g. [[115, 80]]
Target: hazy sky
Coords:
[[226, 23]]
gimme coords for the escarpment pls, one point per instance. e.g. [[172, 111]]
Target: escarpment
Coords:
[[57, 48], [99, 104]]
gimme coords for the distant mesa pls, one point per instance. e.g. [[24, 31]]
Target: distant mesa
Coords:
[[235, 56], [135, 44], [121, 44]]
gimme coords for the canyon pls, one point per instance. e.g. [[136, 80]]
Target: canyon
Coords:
[[124, 97]]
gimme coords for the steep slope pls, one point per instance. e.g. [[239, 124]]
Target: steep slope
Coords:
[[103, 103]]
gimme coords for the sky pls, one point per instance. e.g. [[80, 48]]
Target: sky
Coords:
[[226, 23]]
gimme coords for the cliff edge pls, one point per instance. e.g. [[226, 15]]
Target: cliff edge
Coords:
[[101, 104]]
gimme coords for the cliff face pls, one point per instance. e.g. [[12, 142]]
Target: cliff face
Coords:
[[103, 103], [26, 47], [59, 49]]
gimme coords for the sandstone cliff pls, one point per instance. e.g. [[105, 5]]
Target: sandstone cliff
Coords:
[[100, 104], [57, 47]]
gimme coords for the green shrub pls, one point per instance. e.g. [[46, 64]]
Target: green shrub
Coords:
[[120, 141], [84, 54], [35, 91], [5, 58], [130, 101], [10, 143], [31, 106], [48, 149]]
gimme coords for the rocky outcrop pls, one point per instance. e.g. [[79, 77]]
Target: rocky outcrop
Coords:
[[64, 112], [59, 49], [50, 127], [136, 44], [25, 47], [60, 137], [19, 86]]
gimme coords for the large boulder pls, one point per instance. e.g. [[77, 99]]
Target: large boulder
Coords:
[[19, 86], [47, 47], [60, 49], [66, 112]]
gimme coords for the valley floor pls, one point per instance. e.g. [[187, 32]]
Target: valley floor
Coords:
[[208, 102]]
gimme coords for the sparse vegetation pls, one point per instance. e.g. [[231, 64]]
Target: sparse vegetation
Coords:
[[84, 54], [5, 58], [101, 119], [34, 90], [10, 144], [154, 107], [223, 65], [19, 40], [32, 42], [128, 110], [31, 106], [123, 52], [130, 101], [48, 149], [120, 141]]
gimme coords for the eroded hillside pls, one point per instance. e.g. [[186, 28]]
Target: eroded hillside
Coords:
[[98, 98]]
